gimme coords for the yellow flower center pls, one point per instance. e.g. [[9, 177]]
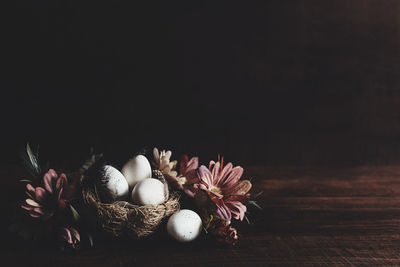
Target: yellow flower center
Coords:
[[216, 190]]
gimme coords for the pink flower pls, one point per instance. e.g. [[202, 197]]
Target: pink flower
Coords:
[[225, 189], [69, 238], [44, 202], [188, 174], [227, 234]]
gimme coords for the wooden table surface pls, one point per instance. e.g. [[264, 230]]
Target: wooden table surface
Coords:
[[310, 217]]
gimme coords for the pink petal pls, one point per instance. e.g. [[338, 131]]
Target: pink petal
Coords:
[[38, 211], [52, 173], [191, 177], [237, 208], [231, 178], [223, 173], [48, 182], [205, 176], [214, 173], [183, 164], [203, 187], [30, 191], [211, 164], [193, 164], [30, 188], [61, 181], [190, 191], [223, 212], [34, 214], [31, 202], [40, 194], [60, 193], [26, 207]]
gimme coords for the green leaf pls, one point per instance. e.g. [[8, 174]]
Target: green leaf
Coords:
[[32, 158], [247, 219], [252, 202], [258, 194], [75, 214]]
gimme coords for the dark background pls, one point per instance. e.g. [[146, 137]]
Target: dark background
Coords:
[[261, 82]]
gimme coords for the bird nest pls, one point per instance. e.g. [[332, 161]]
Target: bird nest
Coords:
[[122, 218]]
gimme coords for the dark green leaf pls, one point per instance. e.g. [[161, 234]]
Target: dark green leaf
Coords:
[[32, 158], [252, 202], [258, 194], [247, 219]]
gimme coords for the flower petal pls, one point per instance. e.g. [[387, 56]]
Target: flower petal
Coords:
[[52, 173], [40, 194], [60, 192], [214, 173], [38, 211], [237, 208], [30, 191], [205, 176], [223, 212], [34, 214], [193, 164], [190, 191], [60, 182], [48, 182], [156, 154], [240, 188], [211, 164], [32, 203], [183, 164], [231, 178], [168, 154], [27, 207], [225, 171]]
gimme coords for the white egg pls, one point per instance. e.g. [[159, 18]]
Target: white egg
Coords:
[[136, 169], [184, 225], [115, 182], [149, 192]]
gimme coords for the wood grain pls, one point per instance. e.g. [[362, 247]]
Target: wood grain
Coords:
[[311, 217]]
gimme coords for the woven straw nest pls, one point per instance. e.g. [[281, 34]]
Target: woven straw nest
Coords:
[[122, 218]]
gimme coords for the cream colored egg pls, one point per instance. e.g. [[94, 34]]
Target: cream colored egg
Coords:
[[148, 192], [184, 225], [136, 169], [115, 182]]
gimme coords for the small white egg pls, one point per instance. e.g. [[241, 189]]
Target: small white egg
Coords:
[[136, 170], [184, 225], [115, 182], [149, 192]]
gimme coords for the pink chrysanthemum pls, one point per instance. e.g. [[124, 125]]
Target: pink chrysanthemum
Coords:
[[44, 202], [188, 174], [224, 189]]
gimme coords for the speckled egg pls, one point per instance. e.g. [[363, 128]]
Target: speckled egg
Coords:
[[136, 170], [149, 192], [115, 183], [184, 225]]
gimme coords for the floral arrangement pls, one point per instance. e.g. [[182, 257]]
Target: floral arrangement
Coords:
[[137, 197]]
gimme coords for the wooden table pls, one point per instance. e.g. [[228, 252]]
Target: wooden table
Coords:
[[311, 217]]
